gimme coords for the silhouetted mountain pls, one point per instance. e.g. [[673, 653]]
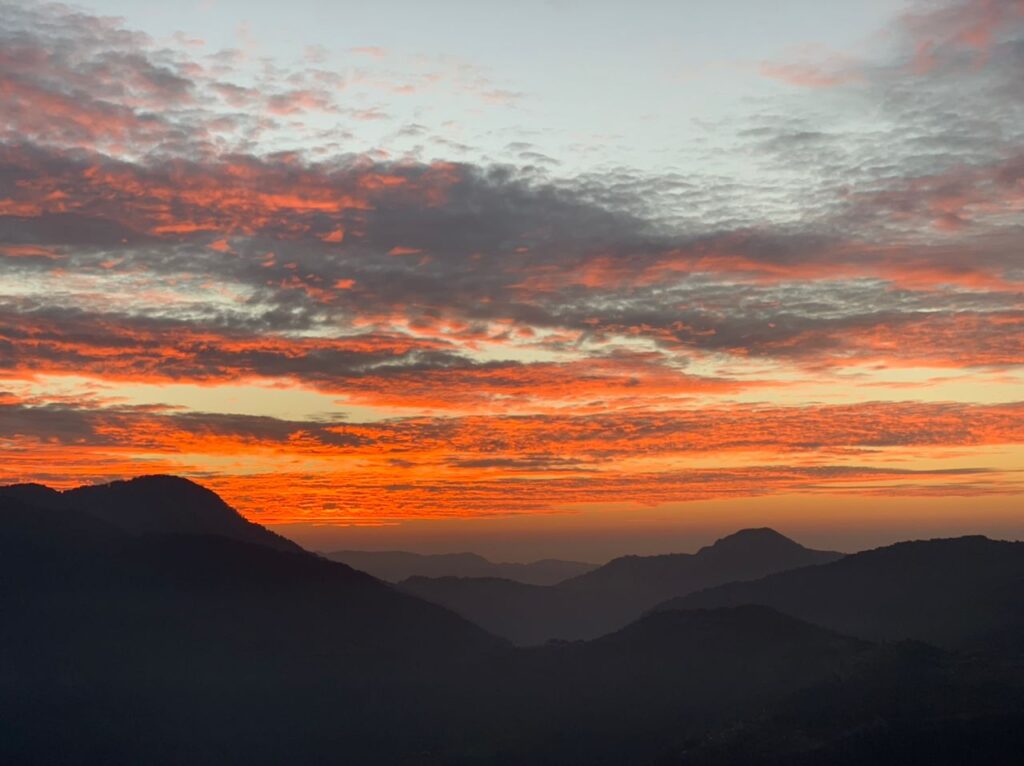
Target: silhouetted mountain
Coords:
[[611, 596], [29, 532], [962, 592], [153, 505], [395, 566], [125, 648]]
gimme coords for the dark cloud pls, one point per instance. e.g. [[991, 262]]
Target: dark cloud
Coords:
[[349, 240], [313, 244]]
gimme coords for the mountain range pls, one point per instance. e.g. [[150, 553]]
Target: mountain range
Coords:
[[395, 566], [611, 596], [908, 590], [147, 622]]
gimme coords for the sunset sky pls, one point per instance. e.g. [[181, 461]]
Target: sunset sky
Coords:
[[544, 278]]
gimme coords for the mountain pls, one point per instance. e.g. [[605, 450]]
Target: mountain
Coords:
[[164, 648], [119, 647], [742, 555], [743, 685], [524, 614], [612, 595], [901, 703], [962, 592], [639, 695], [153, 505], [395, 566]]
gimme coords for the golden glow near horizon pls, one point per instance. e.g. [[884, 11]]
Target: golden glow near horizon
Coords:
[[379, 339]]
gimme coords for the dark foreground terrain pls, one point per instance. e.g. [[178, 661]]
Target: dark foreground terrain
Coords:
[[145, 622]]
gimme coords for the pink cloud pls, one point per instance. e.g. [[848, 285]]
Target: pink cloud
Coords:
[[372, 51]]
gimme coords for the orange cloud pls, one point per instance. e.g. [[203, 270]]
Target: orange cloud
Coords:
[[243, 196], [378, 369], [284, 471], [555, 343], [27, 251]]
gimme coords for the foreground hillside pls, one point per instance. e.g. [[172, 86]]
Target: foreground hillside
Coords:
[[116, 643], [139, 637]]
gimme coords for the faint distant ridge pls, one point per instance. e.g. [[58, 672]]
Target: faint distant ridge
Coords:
[[395, 566], [610, 596], [152, 505]]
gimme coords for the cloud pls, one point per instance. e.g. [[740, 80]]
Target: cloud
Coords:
[[395, 370], [490, 246], [371, 51], [526, 341], [941, 33], [814, 67], [299, 101], [426, 467]]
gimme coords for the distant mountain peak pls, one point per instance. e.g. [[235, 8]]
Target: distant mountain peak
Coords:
[[763, 545], [757, 532], [754, 536]]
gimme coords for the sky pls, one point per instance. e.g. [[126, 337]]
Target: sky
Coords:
[[535, 279]]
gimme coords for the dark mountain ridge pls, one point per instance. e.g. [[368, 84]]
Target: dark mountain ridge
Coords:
[[960, 592], [171, 647], [153, 505]]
